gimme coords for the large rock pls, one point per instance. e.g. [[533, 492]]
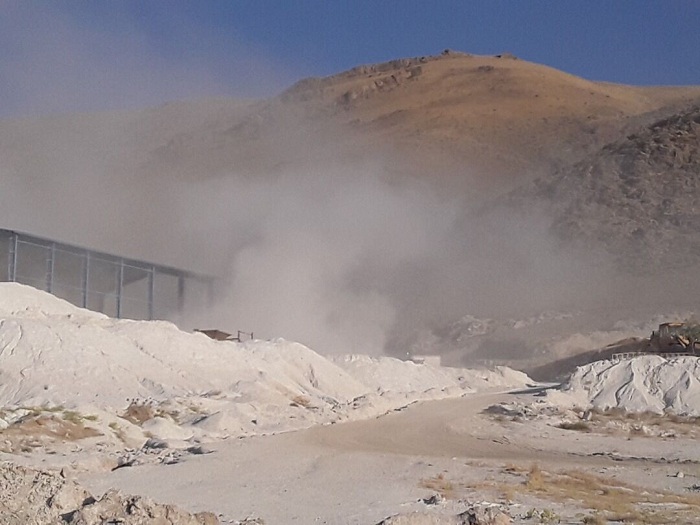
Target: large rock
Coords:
[[34, 497], [478, 515], [115, 507]]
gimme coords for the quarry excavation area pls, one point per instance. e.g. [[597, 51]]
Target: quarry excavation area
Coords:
[[491, 264], [132, 421]]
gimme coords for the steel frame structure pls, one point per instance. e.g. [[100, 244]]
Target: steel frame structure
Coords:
[[88, 277]]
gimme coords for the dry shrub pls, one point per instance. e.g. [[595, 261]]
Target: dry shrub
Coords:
[[535, 478], [439, 484], [300, 401], [512, 468], [610, 499], [138, 413], [668, 423], [51, 426]]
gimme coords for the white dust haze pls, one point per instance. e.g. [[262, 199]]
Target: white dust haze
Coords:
[[339, 255], [54, 60], [344, 261]]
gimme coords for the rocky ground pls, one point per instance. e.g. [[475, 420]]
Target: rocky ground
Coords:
[[37, 497]]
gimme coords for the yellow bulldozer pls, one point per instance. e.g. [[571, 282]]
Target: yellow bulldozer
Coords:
[[676, 338]]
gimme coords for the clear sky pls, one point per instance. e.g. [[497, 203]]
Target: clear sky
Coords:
[[58, 56]]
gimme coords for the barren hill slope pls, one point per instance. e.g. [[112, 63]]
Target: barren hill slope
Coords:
[[489, 120], [464, 113], [454, 114], [637, 197]]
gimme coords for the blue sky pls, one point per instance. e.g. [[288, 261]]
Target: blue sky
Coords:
[[58, 56]]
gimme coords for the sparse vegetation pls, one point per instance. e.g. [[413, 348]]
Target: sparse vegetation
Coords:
[[594, 519], [645, 423], [608, 498], [138, 413], [38, 410], [29, 424], [76, 417], [118, 431], [300, 401], [441, 485]]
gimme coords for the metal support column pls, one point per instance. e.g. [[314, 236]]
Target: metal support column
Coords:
[[85, 278], [12, 273], [180, 294], [50, 263], [120, 286], [151, 292]]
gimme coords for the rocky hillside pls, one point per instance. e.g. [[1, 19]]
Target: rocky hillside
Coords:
[[637, 197]]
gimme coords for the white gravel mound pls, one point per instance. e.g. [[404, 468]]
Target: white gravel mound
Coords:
[[647, 383], [53, 354], [386, 374]]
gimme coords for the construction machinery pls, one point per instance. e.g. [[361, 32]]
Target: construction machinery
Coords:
[[670, 340], [676, 338]]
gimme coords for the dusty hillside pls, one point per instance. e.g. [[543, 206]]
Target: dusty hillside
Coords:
[[637, 197], [454, 114], [630, 210]]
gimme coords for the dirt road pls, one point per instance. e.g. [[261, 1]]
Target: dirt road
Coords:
[[449, 428], [361, 472]]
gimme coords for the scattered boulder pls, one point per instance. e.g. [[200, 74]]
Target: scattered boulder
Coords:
[[484, 515], [34, 497], [114, 507], [435, 499], [419, 518], [476, 515]]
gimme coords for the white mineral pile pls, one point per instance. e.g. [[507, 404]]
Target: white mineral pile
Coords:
[[53, 354], [392, 382], [648, 383]]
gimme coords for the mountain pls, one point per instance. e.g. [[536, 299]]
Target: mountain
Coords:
[[457, 115]]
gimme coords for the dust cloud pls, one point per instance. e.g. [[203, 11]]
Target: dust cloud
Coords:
[[346, 262], [340, 255]]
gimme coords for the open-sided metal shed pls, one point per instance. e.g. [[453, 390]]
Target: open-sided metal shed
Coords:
[[114, 285]]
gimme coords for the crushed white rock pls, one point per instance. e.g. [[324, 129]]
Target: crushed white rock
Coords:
[[66, 361], [647, 383]]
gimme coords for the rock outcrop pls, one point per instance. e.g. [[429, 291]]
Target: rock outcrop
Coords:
[[35, 497], [638, 197]]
